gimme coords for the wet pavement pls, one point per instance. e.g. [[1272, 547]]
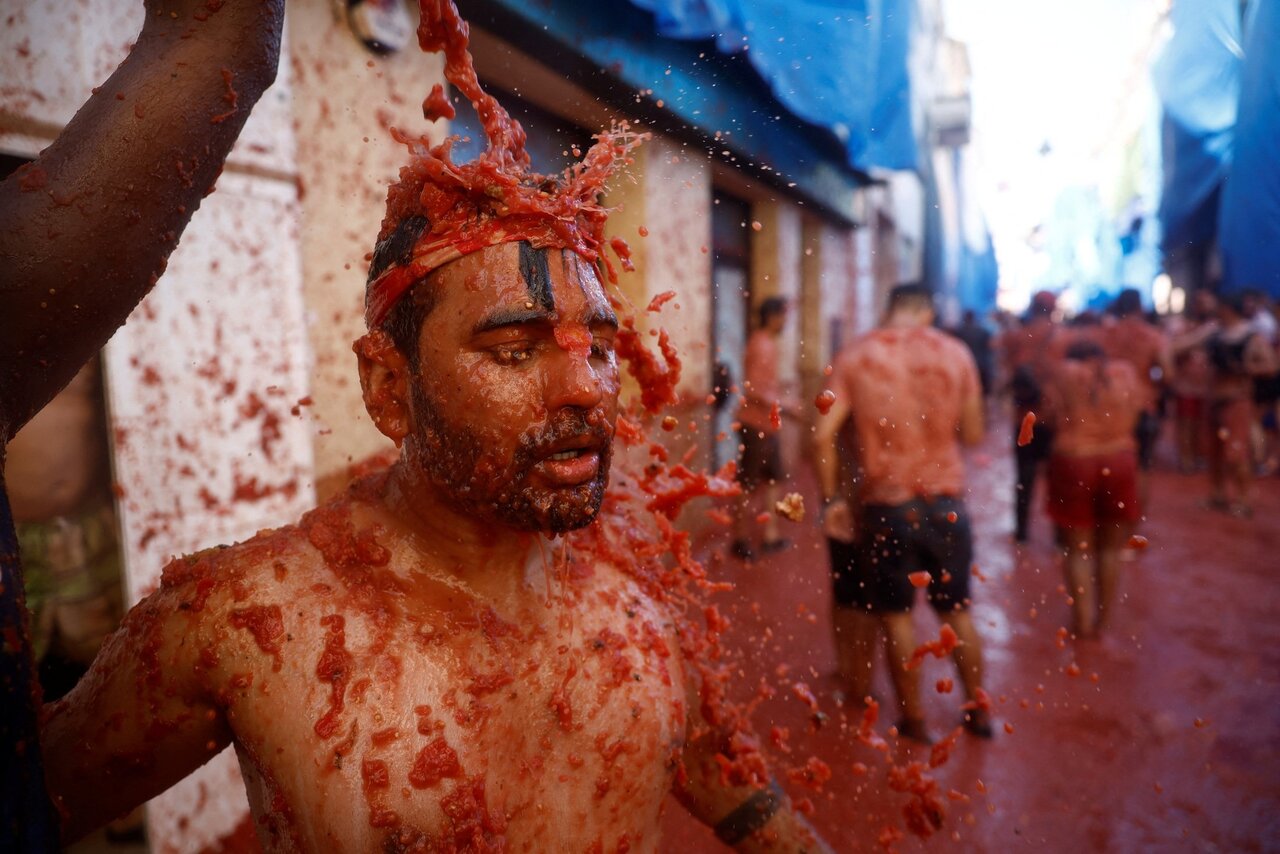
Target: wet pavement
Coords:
[[1162, 736]]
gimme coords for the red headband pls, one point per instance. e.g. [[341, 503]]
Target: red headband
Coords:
[[433, 251]]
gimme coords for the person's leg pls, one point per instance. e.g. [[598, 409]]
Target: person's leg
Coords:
[[947, 550], [854, 626], [1146, 434], [1078, 568], [773, 474], [1111, 542], [968, 652], [743, 517], [1240, 488], [1239, 421], [1027, 461], [748, 482], [856, 632], [900, 642], [1218, 443], [889, 552], [1184, 433], [771, 536]]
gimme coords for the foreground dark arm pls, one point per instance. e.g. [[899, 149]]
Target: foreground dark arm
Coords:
[[87, 228], [85, 231]]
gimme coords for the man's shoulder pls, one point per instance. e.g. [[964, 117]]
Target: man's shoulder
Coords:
[[951, 351], [204, 574], [285, 557], [866, 350]]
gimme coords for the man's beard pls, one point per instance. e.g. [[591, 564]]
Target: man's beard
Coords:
[[481, 481]]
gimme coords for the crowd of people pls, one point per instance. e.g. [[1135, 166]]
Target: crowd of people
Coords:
[[1207, 378], [1090, 399]]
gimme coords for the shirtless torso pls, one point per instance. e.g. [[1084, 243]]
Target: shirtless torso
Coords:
[[1095, 406], [360, 679]]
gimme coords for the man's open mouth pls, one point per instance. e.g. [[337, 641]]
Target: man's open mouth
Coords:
[[569, 455], [573, 465]]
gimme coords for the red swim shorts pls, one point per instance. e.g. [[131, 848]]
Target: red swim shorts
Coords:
[[1190, 408], [1088, 491]]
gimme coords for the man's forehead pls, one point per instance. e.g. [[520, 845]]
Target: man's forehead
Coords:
[[519, 273]]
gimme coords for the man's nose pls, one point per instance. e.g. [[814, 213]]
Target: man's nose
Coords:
[[574, 381]]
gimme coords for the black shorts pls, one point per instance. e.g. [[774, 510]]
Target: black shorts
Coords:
[[850, 588], [929, 536], [761, 459]]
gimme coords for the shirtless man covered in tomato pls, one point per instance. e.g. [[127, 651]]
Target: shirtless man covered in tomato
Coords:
[[421, 664]]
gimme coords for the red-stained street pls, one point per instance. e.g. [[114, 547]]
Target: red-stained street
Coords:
[[1166, 738]]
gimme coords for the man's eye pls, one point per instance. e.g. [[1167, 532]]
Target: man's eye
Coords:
[[512, 355], [601, 348]]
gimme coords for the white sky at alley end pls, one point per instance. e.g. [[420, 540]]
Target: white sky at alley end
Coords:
[[1055, 71]]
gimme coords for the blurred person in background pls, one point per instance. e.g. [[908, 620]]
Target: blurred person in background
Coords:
[[1259, 312], [1146, 348], [978, 339], [1239, 355], [1027, 352], [1192, 377], [1266, 389], [58, 476], [760, 465], [1094, 404], [913, 396]]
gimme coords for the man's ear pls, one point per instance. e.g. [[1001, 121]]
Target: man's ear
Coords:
[[384, 380]]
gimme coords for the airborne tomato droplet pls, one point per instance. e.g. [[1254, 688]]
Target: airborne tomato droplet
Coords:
[[660, 300], [573, 338], [919, 579], [1026, 431], [824, 401]]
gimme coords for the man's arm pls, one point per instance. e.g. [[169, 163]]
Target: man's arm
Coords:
[[140, 720], [972, 418], [837, 515], [87, 228], [752, 818]]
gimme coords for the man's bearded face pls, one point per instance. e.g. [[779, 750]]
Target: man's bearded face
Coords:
[[515, 400]]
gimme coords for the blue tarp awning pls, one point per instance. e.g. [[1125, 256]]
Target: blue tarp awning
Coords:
[[1249, 230], [1219, 84], [840, 66], [1197, 78]]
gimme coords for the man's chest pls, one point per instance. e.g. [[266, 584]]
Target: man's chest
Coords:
[[564, 725]]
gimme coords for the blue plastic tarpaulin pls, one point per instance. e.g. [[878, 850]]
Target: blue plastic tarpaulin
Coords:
[[1249, 231], [1197, 78], [839, 65]]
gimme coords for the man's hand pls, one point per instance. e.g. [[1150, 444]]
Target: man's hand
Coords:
[[837, 520]]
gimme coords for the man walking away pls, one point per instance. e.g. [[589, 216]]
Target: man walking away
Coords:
[[1094, 404], [914, 396]]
